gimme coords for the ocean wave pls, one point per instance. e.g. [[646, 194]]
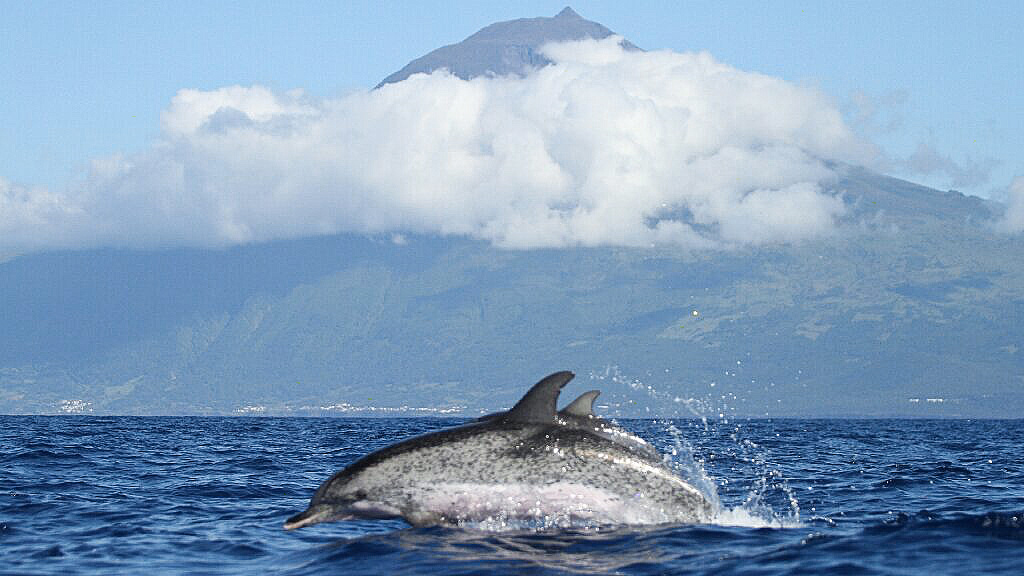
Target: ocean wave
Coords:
[[1000, 525], [83, 495]]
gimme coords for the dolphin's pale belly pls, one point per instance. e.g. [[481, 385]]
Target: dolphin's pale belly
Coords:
[[561, 504], [554, 474]]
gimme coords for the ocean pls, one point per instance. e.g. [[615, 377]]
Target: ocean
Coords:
[[191, 495]]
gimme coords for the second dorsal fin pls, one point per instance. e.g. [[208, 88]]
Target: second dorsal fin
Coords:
[[538, 405], [582, 406]]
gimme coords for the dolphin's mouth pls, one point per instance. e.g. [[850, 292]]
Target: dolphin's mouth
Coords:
[[312, 515], [349, 510]]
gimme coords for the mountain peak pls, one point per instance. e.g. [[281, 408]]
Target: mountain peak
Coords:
[[568, 13], [504, 48]]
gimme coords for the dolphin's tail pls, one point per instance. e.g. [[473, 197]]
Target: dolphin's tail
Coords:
[[313, 515]]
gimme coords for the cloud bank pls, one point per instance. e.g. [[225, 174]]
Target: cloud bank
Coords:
[[605, 147], [1012, 221]]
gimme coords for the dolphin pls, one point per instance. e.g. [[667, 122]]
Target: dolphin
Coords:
[[529, 463], [580, 414]]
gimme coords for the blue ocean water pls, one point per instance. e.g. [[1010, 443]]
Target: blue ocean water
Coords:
[[106, 495]]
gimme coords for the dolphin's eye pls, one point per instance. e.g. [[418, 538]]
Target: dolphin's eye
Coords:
[[360, 494]]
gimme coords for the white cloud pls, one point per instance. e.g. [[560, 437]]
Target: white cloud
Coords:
[[1013, 220], [876, 113], [34, 217], [926, 160], [607, 147]]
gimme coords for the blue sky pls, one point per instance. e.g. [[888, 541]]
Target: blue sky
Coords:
[[936, 85]]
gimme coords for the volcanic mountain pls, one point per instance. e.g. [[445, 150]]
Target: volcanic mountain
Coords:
[[915, 309]]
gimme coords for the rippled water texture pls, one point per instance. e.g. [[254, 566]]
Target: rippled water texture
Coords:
[[92, 495]]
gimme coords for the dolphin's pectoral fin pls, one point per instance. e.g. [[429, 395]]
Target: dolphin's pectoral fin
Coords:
[[582, 406], [538, 405], [421, 518]]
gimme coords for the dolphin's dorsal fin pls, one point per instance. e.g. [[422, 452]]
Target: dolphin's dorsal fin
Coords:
[[582, 406], [538, 405]]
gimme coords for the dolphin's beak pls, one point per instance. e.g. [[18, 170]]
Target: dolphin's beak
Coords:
[[313, 515]]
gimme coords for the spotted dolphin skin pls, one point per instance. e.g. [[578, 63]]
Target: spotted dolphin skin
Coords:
[[529, 463]]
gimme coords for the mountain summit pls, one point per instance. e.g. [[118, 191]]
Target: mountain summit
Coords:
[[503, 48]]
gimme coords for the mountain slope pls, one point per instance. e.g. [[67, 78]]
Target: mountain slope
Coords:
[[900, 304]]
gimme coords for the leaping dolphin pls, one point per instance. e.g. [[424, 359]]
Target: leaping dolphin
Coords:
[[530, 462]]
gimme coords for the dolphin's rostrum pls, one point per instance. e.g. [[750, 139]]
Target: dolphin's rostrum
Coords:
[[529, 463]]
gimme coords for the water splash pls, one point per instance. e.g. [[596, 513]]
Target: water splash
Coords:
[[767, 501], [741, 516], [681, 459]]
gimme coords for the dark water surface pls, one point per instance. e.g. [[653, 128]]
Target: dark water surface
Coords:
[[105, 495]]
